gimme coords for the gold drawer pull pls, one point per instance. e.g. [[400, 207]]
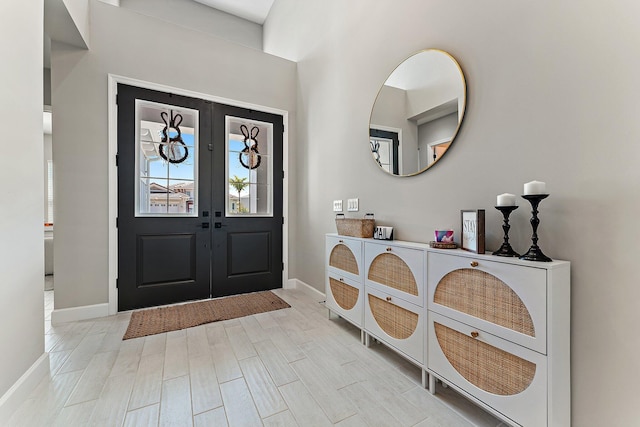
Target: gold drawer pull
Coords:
[[388, 249], [388, 299], [474, 334], [474, 263]]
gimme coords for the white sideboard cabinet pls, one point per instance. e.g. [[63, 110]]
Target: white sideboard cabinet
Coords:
[[344, 278], [499, 332], [385, 284], [395, 294], [495, 329]]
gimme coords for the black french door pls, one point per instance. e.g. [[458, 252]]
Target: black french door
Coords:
[[199, 199]]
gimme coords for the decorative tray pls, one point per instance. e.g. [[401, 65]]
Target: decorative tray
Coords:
[[443, 245]]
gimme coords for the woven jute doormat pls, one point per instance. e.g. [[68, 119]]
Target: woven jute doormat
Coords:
[[172, 318]]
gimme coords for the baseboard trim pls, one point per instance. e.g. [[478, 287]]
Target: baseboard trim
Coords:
[[84, 312], [306, 288], [20, 391]]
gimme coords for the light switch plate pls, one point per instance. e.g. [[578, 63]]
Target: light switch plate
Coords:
[[352, 205], [337, 205]]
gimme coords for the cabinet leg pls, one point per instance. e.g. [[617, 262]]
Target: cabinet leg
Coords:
[[432, 384], [424, 379], [367, 339]]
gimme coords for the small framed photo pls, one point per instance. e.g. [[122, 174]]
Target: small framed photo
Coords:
[[472, 235]]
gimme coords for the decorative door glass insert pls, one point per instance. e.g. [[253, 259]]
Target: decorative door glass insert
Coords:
[[249, 167], [166, 160]]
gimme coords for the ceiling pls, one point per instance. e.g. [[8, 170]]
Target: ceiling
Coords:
[[252, 10]]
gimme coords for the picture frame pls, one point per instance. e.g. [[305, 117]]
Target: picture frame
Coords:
[[472, 230]]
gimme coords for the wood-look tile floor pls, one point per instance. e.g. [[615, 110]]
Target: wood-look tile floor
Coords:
[[291, 367]]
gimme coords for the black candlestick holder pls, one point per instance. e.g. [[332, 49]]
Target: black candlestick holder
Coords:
[[506, 249], [535, 253]]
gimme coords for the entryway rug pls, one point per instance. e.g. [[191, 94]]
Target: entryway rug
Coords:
[[172, 318]]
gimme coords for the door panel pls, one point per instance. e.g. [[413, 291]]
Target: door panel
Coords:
[[163, 249], [247, 238], [249, 253], [152, 248]]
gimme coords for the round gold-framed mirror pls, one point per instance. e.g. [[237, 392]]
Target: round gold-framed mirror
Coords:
[[417, 113]]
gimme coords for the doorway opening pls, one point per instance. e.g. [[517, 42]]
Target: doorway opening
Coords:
[[200, 198]]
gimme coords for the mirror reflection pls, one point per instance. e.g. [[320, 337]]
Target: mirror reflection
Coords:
[[417, 113]]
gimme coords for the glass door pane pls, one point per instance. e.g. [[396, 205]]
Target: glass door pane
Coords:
[[249, 165], [166, 160]]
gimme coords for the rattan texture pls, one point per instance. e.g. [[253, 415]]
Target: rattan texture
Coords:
[[341, 257], [486, 297], [172, 318], [390, 270], [488, 368], [397, 322], [355, 227], [345, 296]]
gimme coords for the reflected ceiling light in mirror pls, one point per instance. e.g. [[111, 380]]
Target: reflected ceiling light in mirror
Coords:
[[417, 113]]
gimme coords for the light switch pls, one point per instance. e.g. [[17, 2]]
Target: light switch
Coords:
[[352, 205], [337, 205]]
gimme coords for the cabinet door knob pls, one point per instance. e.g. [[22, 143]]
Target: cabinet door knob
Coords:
[[340, 241], [388, 299], [341, 279], [474, 263], [388, 249], [474, 334]]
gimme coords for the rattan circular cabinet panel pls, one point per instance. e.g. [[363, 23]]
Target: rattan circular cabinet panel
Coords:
[[346, 296], [395, 321], [486, 297], [341, 257], [391, 270], [488, 368]]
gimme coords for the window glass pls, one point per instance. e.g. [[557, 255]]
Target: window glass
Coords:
[[166, 160], [249, 166]]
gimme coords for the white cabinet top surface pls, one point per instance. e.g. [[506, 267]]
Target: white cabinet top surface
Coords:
[[462, 253]]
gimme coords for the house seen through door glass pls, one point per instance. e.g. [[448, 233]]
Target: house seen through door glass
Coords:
[[249, 167], [166, 160]]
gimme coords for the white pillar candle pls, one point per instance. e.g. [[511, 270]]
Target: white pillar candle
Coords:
[[535, 187], [506, 199]]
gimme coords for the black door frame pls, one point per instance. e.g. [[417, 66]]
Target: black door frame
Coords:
[[111, 307]]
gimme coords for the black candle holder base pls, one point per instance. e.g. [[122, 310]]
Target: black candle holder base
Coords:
[[535, 253], [506, 249]]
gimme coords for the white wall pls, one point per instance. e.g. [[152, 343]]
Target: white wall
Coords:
[[137, 50], [196, 16], [552, 96], [21, 226], [79, 12]]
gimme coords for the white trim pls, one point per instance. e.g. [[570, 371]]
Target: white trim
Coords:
[[74, 314], [388, 129], [21, 389], [438, 142], [306, 288], [113, 81]]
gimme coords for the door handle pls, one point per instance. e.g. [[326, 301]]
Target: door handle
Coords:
[[205, 225], [217, 224]]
